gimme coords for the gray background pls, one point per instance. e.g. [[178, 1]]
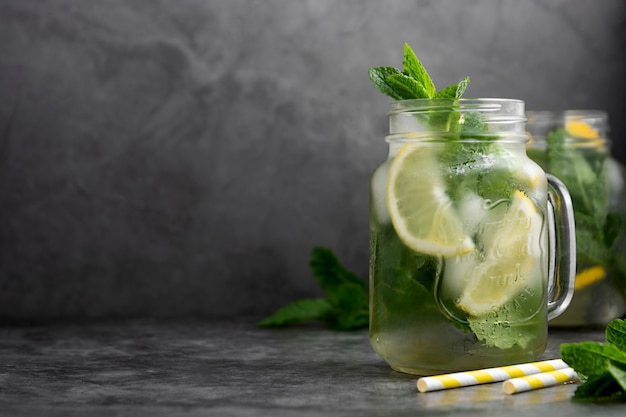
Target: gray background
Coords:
[[176, 158]]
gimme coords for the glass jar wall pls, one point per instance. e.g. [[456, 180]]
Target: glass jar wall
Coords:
[[459, 251]]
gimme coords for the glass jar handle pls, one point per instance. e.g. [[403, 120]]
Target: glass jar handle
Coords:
[[562, 242]]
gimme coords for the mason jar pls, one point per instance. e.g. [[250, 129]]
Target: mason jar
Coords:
[[467, 264], [574, 145]]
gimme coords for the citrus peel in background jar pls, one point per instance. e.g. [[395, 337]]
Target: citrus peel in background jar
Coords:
[[574, 145]]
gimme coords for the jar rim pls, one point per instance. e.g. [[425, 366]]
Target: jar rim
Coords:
[[412, 137], [514, 106], [582, 115], [568, 112]]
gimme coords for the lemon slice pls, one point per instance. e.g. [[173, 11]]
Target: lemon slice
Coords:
[[512, 262], [420, 210], [589, 276], [581, 130]]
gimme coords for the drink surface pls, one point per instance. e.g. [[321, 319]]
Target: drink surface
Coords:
[[458, 256]]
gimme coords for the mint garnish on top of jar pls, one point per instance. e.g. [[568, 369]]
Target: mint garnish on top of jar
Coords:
[[413, 81]]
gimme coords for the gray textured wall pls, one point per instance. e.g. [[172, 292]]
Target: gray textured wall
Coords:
[[174, 158]]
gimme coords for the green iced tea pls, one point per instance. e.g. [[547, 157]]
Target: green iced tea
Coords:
[[459, 256], [459, 268]]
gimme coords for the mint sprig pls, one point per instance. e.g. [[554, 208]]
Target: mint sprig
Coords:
[[413, 81], [601, 366], [345, 306]]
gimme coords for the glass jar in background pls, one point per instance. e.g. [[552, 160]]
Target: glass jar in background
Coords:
[[574, 146], [462, 273]]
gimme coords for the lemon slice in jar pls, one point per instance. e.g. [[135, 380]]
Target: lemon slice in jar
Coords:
[[581, 130], [512, 262], [589, 276], [420, 210]]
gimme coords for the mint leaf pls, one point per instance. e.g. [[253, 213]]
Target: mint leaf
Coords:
[[461, 86], [618, 371], [582, 358], [298, 311], [378, 76], [454, 90], [616, 334], [614, 228], [602, 387], [588, 248], [492, 328], [403, 295], [345, 292], [414, 69], [448, 92], [346, 305], [330, 273], [350, 307], [591, 358], [472, 122], [601, 366], [406, 87]]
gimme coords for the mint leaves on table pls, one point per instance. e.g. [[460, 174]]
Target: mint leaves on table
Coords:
[[345, 306], [601, 366], [413, 81]]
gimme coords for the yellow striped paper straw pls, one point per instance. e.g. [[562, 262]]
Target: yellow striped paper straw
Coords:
[[537, 381], [484, 376]]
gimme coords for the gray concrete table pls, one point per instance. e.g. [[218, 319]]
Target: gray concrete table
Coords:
[[145, 368]]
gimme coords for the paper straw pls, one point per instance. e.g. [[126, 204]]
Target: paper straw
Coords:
[[484, 376], [537, 381]]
